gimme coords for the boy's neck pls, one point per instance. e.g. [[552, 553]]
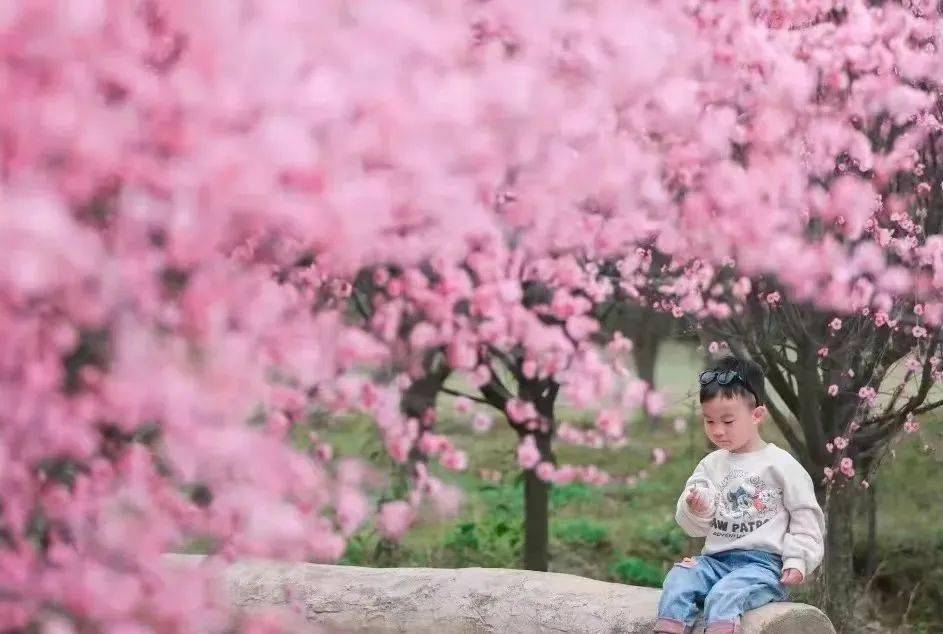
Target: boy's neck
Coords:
[[755, 444]]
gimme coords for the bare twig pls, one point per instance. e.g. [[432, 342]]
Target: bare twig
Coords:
[[468, 396]]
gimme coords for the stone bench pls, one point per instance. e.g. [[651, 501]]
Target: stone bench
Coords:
[[471, 600]]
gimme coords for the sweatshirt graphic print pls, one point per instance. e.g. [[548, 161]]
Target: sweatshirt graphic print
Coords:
[[760, 500]]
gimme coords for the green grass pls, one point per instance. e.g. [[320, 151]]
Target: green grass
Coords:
[[628, 534]]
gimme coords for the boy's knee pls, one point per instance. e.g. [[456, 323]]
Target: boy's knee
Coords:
[[677, 577], [681, 580], [724, 602], [731, 603]]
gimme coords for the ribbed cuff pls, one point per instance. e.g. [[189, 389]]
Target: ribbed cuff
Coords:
[[795, 562], [723, 627], [665, 625], [708, 514]]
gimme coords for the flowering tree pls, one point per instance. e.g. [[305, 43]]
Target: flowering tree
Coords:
[[846, 316], [190, 190], [518, 335]]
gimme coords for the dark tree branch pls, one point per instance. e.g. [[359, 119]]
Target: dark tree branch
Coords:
[[779, 381], [468, 396], [496, 393], [913, 404], [784, 426], [360, 306], [508, 362], [810, 413]]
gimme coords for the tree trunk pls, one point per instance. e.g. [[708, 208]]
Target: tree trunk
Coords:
[[871, 507], [536, 522], [645, 353], [837, 583], [536, 491]]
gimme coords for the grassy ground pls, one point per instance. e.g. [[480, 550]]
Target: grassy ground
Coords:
[[627, 533]]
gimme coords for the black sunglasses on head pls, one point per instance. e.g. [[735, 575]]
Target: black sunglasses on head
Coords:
[[726, 377]]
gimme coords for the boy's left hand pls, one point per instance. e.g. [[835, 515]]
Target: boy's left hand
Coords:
[[791, 577]]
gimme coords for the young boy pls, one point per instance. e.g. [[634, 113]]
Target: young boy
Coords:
[[752, 501]]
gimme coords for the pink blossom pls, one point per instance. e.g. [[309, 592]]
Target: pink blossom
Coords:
[[835, 324], [434, 444], [823, 351], [610, 423], [911, 425], [462, 405], [481, 422], [545, 471], [847, 467], [919, 332], [832, 390], [659, 456], [462, 355], [454, 460], [655, 403], [529, 368], [579, 326], [324, 452], [381, 276], [829, 474], [520, 411], [619, 343], [840, 442], [679, 425], [278, 423], [398, 447], [527, 453], [394, 519], [481, 375], [351, 510], [867, 393], [423, 335], [447, 500], [565, 474]]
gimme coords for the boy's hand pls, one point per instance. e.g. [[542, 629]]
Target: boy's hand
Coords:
[[791, 577], [697, 501]]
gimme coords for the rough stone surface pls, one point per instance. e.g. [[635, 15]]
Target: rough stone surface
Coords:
[[472, 600]]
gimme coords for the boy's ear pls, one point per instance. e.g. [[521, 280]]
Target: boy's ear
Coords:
[[759, 413]]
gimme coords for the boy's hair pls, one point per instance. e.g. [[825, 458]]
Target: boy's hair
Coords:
[[750, 383]]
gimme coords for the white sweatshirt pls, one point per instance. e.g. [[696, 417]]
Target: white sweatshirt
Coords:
[[759, 500]]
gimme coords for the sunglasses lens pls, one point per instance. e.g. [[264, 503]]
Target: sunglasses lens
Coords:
[[725, 378], [707, 376]]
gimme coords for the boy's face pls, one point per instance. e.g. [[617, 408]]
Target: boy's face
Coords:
[[732, 423]]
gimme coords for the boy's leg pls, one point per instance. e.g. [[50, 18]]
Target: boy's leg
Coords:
[[745, 588], [683, 592]]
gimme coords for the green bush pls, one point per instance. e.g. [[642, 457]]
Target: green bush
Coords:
[[638, 572], [666, 540], [367, 548], [566, 494], [582, 532], [493, 542]]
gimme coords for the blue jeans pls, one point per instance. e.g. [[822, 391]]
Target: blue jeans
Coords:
[[724, 584]]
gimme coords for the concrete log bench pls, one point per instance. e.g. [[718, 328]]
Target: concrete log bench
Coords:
[[471, 600]]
